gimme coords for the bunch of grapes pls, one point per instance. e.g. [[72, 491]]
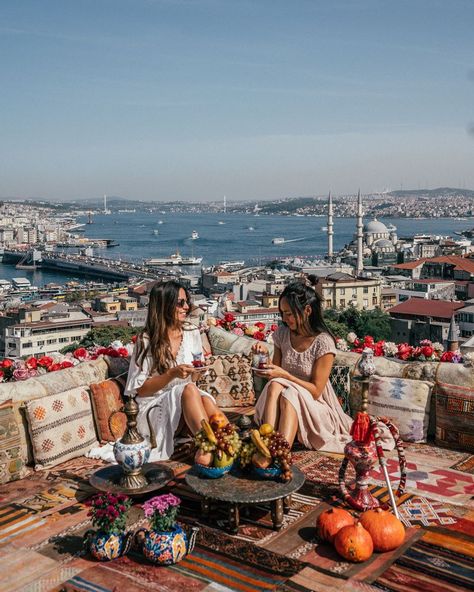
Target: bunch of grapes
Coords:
[[228, 440], [247, 450], [201, 441], [281, 453]]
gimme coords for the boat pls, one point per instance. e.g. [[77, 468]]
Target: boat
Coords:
[[324, 228], [155, 232], [251, 228], [278, 240], [160, 221], [221, 222], [174, 259], [194, 235], [231, 265]]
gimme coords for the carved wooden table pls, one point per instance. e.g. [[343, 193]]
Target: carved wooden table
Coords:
[[238, 489]]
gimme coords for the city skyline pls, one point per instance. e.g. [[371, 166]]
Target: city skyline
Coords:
[[184, 100]]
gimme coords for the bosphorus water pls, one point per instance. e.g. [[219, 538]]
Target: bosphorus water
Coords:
[[225, 237]]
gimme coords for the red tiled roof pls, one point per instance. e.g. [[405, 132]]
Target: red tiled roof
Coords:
[[426, 308], [409, 264], [463, 263]]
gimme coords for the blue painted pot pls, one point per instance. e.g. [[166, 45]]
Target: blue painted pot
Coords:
[[212, 472], [105, 546], [166, 547]]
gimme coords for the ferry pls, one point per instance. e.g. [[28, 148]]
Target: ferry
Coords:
[[231, 265], [174, 259], [278, 240], [194, 235]]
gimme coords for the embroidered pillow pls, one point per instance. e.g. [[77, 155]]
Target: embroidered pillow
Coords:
[[107, 404], [454, 416], [406, 402], [61, 427], [12, 466], [229, 380]]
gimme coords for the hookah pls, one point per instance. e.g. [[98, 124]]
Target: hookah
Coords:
[[365, 449]]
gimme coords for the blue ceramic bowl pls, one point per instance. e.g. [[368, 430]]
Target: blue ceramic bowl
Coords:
[[268, 473], [212, 472]]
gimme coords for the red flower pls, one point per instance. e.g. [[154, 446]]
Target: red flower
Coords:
[[447, 356], [273, 327], [113, 353], [122, 352], [66, 364], [259, 336], [102, 351], [45, 361], [368, 341], [54, 367], [378, 348], [427, 351], [229, 317], [31, 363], [7, 364], [134, 338], [404, 351], [81, 353], [261, 326], [1, 375]]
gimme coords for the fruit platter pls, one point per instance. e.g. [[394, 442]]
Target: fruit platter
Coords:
[[267, 454], [217, 446]]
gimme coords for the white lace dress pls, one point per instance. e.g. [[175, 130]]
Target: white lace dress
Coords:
[[164, 407]]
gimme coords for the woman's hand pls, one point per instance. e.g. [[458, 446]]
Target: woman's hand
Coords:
[[259, 348], [272, 371], [181, 371]]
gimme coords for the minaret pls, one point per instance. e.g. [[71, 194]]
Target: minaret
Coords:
[[330, 227], [360, 254], [225, 204], [453, 335], [105, 204]]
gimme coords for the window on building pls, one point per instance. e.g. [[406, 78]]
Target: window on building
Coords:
[[27, 345], [328, 303], [343, 302], [366, 302], [374, 301], [39, 343], [51, 341], [366, 289], [63, 339], [342, 291]]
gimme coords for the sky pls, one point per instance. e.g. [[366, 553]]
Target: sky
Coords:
[[253, 99]]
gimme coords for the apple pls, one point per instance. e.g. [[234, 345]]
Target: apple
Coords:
[[225, 461], [203, 458], [218, 420]]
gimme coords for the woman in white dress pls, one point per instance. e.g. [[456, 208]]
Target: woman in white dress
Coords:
[[162, 374]]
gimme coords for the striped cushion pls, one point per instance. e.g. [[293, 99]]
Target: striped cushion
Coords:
[[455, 416], [61, 427], [406, 402]]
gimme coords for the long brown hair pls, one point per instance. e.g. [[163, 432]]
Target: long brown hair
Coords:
[[299, 295], [161, 317]]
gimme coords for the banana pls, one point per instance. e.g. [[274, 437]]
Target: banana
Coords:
[[260, 444], [206, 427]]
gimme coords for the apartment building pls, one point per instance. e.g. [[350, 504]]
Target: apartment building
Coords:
[[340, 290]]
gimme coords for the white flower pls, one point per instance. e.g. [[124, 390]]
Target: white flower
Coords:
[[341, 344], [438, 347], [351, 337], [390, 349], [469, 359], [116, 344]]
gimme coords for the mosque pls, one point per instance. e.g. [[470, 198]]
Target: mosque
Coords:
[[374, 243]]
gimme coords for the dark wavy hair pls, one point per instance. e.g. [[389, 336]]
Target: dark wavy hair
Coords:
[[161, 317], [299, 296]]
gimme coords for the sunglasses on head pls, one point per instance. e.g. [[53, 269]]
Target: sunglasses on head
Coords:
[[182, 302]]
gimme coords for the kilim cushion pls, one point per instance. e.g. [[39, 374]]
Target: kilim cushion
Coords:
[[406, 402], [61, 427], [107, 404], [12, 465], [454, 416], [341, 383], [229, 380]]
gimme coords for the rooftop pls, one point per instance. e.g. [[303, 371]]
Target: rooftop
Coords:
[[427, 308]]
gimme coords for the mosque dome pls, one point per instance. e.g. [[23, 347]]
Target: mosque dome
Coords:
[[375, 227], [383, 244]]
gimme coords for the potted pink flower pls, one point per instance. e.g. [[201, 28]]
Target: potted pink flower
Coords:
[[166, 542]]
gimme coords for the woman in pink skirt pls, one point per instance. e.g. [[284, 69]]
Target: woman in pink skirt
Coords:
[[299, 400]]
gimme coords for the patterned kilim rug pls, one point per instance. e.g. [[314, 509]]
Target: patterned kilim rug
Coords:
[[43, 519]]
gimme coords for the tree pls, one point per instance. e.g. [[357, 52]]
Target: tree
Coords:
[[104, 336], [361, 322]]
